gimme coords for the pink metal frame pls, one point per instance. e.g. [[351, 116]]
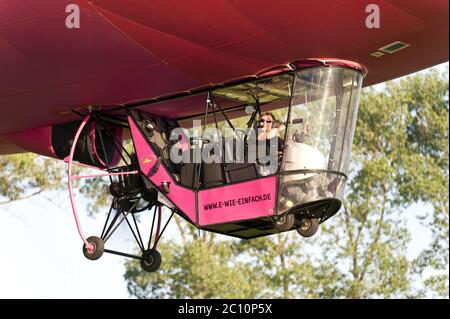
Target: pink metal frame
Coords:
[[71, 177], [182, 197]]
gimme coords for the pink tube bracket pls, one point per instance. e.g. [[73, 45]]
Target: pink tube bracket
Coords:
[[70, 162]]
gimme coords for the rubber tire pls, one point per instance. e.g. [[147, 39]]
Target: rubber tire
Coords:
[[98, 249], [310, 228], [284, 223], [152, 260]]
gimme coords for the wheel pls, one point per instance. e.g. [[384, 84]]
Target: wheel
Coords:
[[284, 223], [152, 260], [308, 227], [98, 250]]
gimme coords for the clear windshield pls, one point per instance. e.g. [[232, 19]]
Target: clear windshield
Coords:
[[319, 134]]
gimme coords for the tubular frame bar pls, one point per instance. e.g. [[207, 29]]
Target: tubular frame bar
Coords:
[[115, 252], [160, 235]]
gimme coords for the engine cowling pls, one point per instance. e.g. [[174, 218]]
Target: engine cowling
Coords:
[[98, 145]]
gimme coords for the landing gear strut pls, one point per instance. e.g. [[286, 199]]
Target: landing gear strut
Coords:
[[131, 196], [150, 258]]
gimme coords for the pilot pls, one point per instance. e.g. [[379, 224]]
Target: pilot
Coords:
[[269, 132], [269, 127]]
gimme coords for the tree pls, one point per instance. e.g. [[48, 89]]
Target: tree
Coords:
[[26, 175], [400, 157], [428, 135]]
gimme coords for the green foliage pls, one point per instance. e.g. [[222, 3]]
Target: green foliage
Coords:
[[26, 175], [428, 135], [400, 157]]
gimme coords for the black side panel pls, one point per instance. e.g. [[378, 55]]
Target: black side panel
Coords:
[[238, 172], [187, 174], [212, 175]]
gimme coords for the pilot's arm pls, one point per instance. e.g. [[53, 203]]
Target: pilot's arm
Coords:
[[276, 129]]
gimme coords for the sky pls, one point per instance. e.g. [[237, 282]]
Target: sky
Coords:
[[41, 252], [42, 255]]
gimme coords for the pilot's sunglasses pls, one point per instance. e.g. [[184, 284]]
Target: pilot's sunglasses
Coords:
[[267, 121]]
